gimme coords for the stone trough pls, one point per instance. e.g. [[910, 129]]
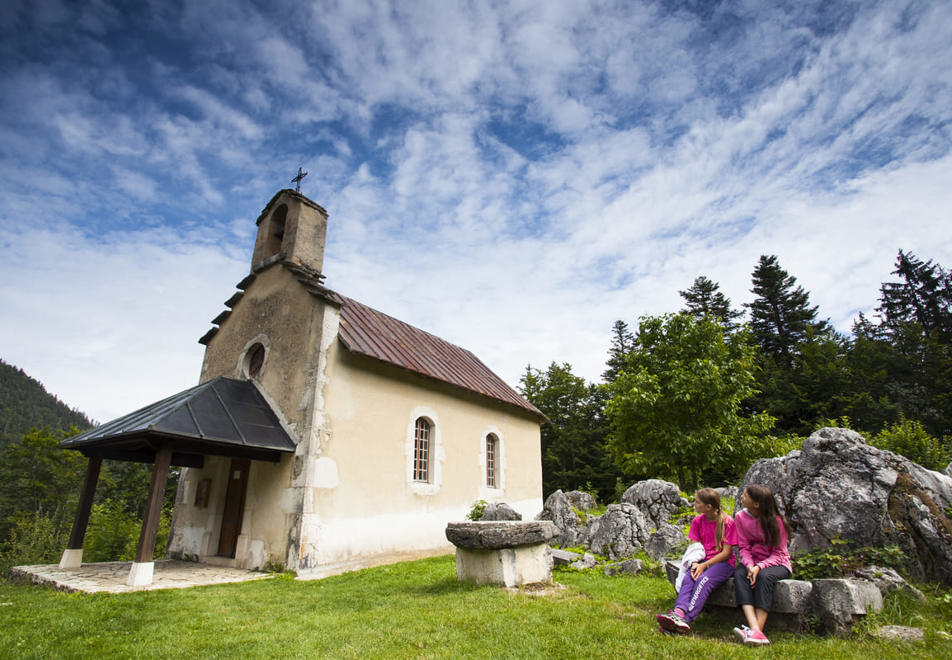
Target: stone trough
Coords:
[[507, 553]]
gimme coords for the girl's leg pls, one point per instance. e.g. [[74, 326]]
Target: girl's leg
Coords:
[[707, 582], [763, 592], [684, 595], [750, 613]]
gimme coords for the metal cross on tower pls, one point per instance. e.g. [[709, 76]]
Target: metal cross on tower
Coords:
[[297, 180]]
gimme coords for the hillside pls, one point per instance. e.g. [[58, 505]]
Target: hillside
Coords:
[[25, 404]]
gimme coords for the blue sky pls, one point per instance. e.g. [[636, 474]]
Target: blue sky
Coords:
[[512, 176]]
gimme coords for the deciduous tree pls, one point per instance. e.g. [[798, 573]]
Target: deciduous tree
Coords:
[[675, 409]]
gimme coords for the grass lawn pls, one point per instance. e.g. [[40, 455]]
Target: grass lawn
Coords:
[[412, 610]]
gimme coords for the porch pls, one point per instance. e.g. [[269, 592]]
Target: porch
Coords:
[[112, 576]]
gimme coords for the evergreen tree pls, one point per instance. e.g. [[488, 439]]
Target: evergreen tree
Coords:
[[923, 299], [704, 298], [623, 341], [780, 315]]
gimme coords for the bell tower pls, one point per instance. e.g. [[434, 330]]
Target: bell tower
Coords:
[[292, 228]]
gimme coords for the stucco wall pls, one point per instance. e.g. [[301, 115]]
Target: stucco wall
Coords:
[[363, 499]]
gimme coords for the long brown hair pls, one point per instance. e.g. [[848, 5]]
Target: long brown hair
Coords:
[[767, 513], [710, 496]]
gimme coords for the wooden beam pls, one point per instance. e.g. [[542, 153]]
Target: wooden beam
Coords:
[[150, 522], [85, 503]]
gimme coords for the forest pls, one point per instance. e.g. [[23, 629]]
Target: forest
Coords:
[[693, 396], [40, 483]]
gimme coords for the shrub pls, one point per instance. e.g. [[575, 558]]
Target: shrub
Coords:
[[476, 511], [844, 558], [909, 438], [32, 539]]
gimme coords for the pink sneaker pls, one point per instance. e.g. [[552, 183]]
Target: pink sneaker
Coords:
[[755, 638], [673, 622]]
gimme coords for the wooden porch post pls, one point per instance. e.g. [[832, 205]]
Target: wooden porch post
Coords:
[[142, 567], [73, 555]]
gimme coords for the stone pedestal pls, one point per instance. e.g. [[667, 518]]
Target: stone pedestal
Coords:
[[508, 553]]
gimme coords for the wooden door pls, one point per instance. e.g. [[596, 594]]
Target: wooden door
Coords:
[[234, 507]]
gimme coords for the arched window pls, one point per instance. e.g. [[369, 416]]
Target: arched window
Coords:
[[421, 451], [492, 458], [253, 360]]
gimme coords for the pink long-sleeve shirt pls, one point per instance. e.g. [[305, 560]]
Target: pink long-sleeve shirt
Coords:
[[752, 545]]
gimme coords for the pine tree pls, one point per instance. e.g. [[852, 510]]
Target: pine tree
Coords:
[[705, 299], [781, 314], [623, 342], [923, 298]]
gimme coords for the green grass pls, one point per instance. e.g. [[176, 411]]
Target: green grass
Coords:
[[410, 610]]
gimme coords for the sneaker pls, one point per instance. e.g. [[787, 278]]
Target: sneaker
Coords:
[[669, 633], [756, 638], [741, 633], [674, 622]]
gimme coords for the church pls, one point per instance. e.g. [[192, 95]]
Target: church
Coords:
[[324, 435]]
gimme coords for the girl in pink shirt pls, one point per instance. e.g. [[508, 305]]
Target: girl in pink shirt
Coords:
[[714, 530], [764, 560]]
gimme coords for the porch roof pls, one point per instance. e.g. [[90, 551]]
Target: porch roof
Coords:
[[223, 417]]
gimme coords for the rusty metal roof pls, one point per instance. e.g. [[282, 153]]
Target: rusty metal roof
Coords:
[[371, 333], [223, 416]]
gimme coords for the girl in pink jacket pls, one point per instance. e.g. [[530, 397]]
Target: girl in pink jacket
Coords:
[[764, 560]]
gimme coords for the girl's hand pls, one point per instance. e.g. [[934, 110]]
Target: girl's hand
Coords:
[[752, 574], [696, 570]]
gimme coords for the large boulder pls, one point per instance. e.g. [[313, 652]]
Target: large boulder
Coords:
[[667, 538], [657, 499], [620, 532], [500, 511], [839, 486], [581, 500], [558, 509]]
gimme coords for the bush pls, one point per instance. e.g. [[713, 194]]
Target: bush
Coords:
[[32, 539], [843, 559], [113, 534], [908, 438]]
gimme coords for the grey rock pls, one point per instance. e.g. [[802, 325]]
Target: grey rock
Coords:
[[839, 603], [838, 486], [587, 561], [629, 567], [503, 534], [621, 532], [657, 499], [558, 509], [886, 580], [728, 491], [581, 500], [563, 557], [500, 511], [900, 633], [667, 538], [948, 470]]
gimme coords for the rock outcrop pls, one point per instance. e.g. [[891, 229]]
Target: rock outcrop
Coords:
[[656, 499], [839, 486], [558, 509]]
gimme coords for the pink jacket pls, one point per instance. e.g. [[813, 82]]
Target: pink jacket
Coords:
[[753, 547]]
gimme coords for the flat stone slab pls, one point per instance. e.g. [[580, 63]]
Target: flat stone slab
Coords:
[[494, 535], [111, 576]]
